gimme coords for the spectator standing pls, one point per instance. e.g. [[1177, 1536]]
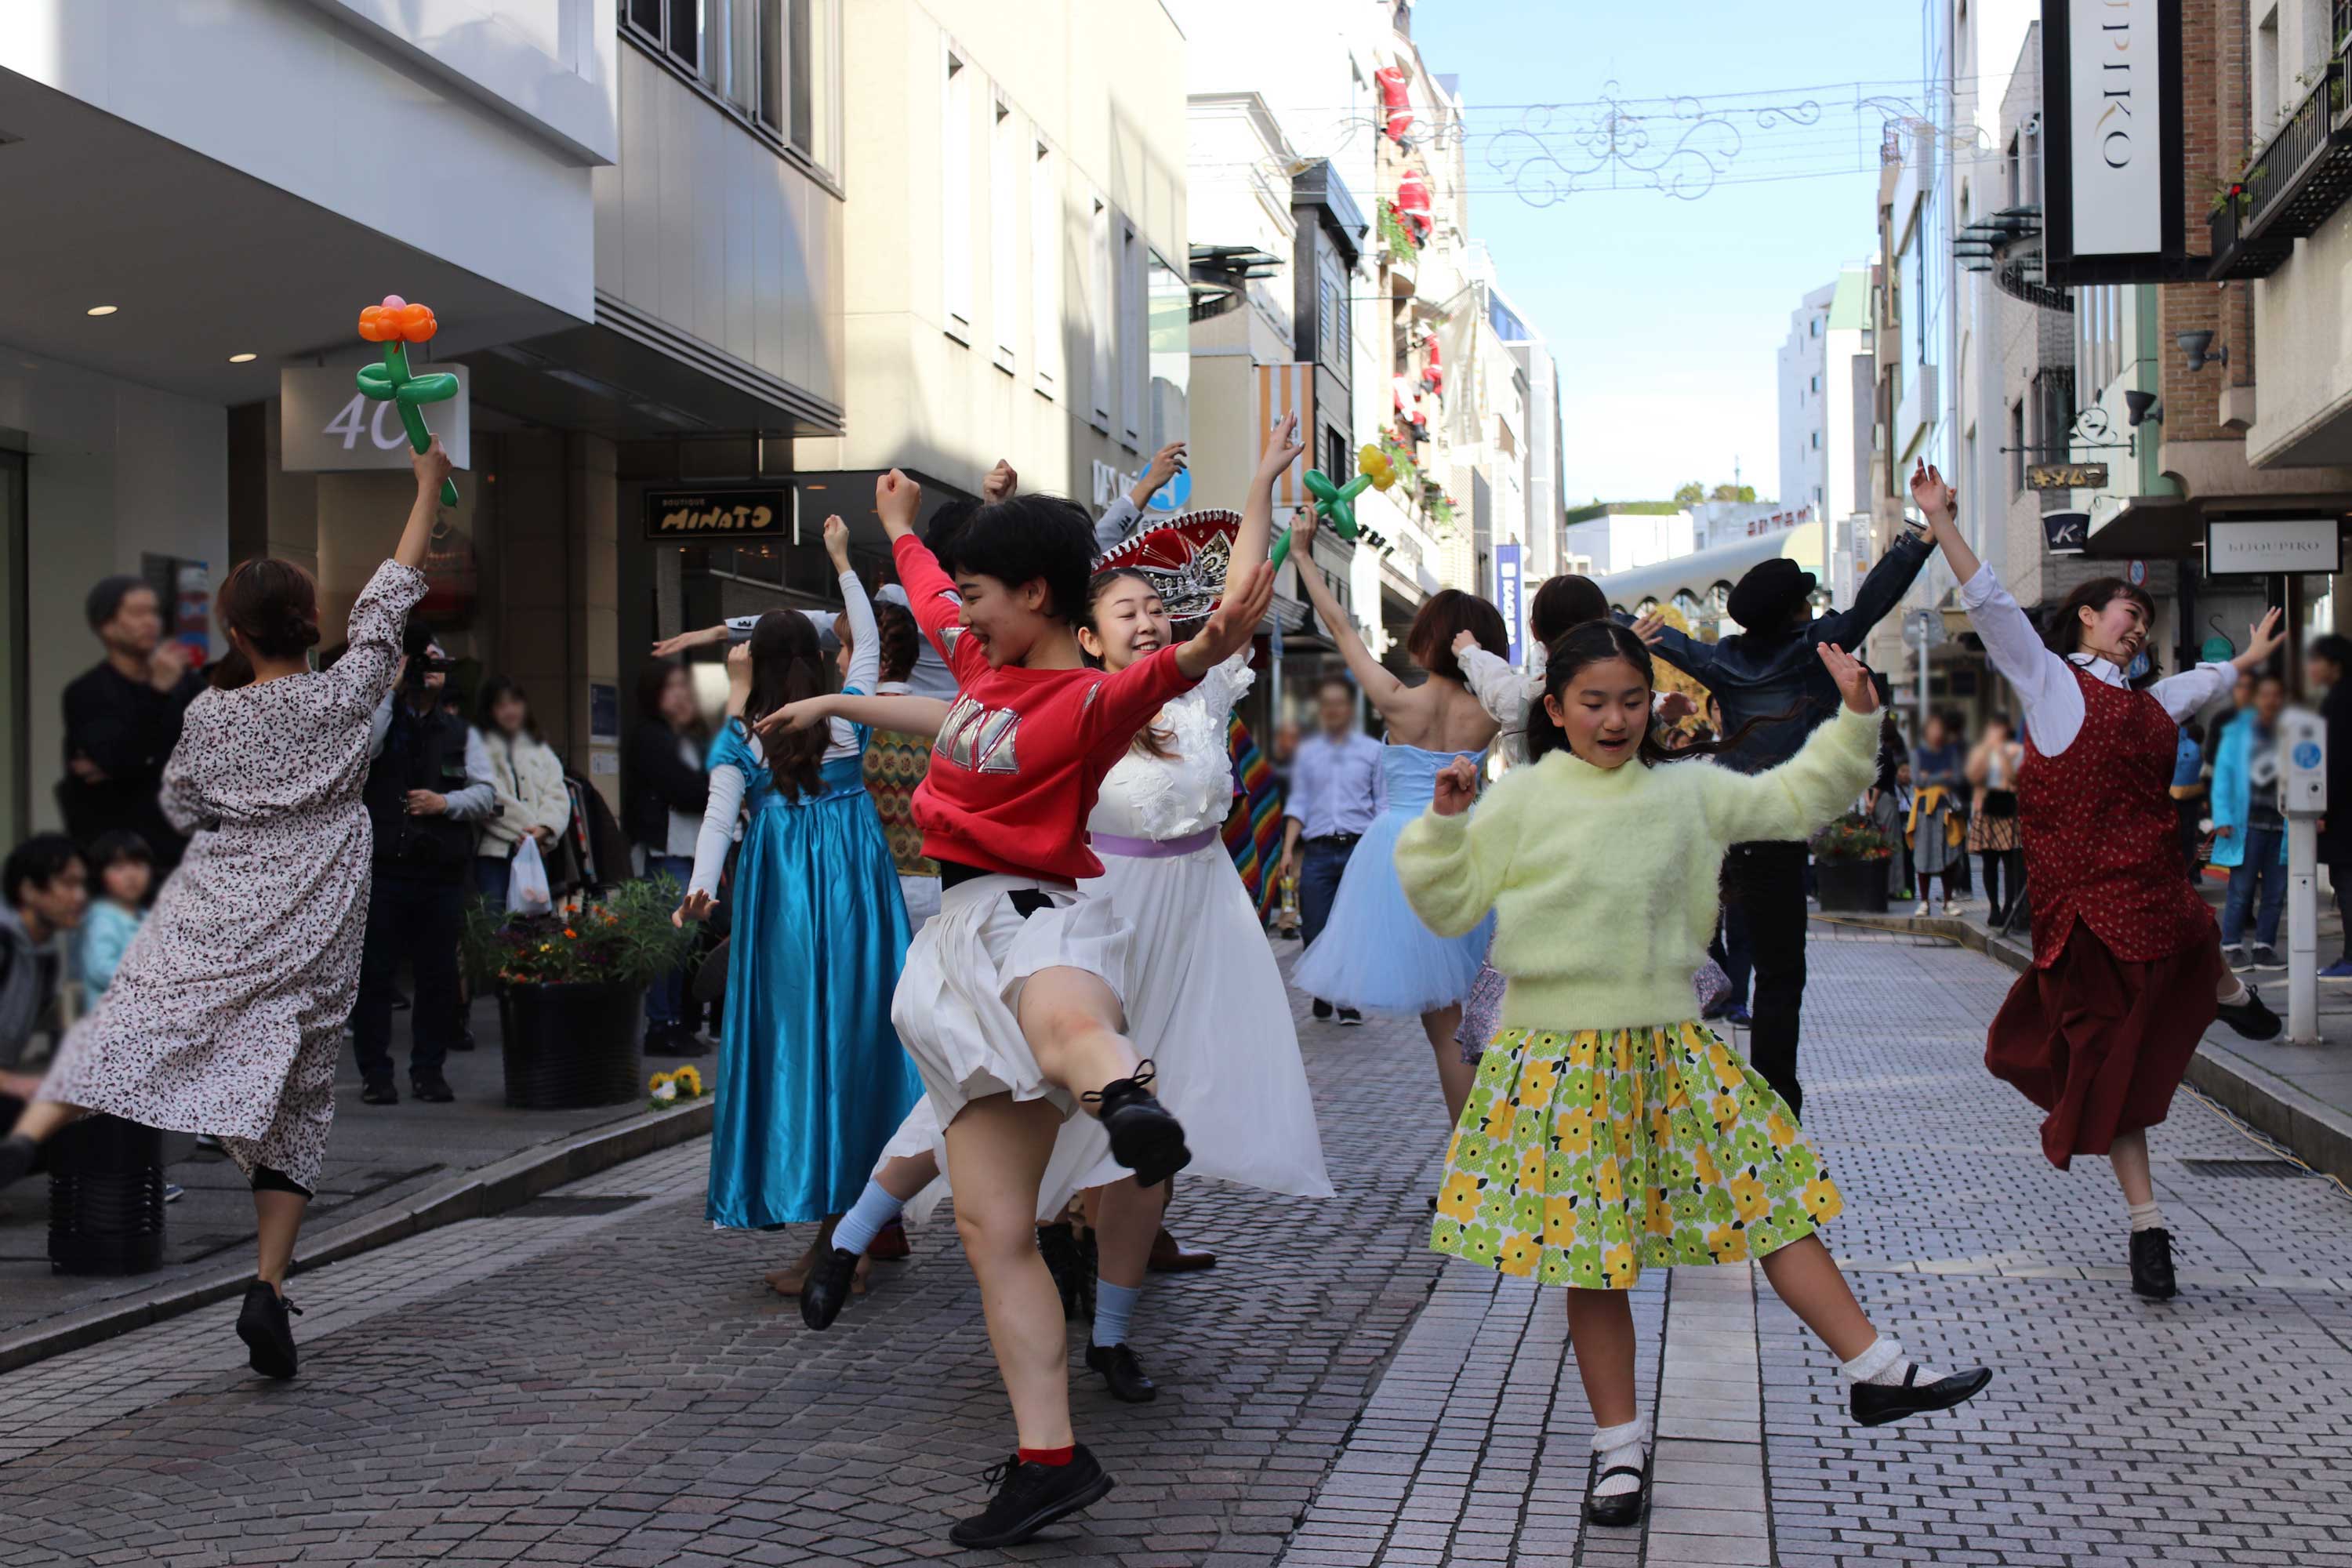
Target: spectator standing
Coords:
[[527, 778], [123, 718], [46, 889], [2326, 666], [2189, 794], [1937, 774], [663, 793], [2249, 831], [1993, 833], [1335, 794], [428, 782], [122, 868]]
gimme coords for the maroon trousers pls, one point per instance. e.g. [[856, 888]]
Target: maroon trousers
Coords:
[[2101, 1043]]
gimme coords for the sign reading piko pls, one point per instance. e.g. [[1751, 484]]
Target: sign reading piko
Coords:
[[691, 517]]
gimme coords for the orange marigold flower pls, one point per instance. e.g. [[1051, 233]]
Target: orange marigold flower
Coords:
[[569, 932]]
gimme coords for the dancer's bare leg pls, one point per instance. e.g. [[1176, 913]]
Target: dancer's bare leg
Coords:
[[999, 1147], [277, 1220], [1806, 1277], [1455, 1075], [1071, 1020], [1125, 1218], [42, 1117], [1601, 1330], [2128, 1154]]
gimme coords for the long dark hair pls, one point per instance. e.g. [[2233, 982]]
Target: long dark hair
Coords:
[[497, 690], [1597, 642], [1151, 741], [273, 605], [789, 666], [899, 639], [1563, 604]]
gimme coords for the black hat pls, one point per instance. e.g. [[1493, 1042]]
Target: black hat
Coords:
[[1771, 590], [107, 597]]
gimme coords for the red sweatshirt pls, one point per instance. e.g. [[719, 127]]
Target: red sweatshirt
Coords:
[[1018, 764]]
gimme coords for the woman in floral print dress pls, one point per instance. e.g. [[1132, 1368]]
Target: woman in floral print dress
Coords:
[[227, 1016], [1608, 1131]]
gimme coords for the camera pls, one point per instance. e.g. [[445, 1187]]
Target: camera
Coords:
[[416, 642]]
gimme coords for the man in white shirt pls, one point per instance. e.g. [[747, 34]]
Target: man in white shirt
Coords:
[[1335, 793]]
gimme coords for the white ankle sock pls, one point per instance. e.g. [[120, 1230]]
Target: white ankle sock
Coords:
[[1623, 1445], [874, 1209], [1886, 1365], [2145, 1216], [2231, 998]]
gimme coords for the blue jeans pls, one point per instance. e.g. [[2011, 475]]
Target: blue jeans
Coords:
[[491, 876], [1321, 863], [666, 997], [2260, 865]]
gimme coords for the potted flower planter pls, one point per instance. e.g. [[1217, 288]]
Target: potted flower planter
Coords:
[[1852, 887], [571, 1045]]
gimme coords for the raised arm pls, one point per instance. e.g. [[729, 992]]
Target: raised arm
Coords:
[[372, 651], [1828, 774], [2011, 644], [1382, 690], [1501, 690], [702, 892], [1880, 591], [432, 468], [865, 634], [1451, 863], [908, 715], [1255, 536], [1125, 514], [1685, 652]]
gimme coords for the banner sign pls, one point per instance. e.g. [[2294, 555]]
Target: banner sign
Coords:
[[2112, 147], [2066, 475], [2269, 546], [327, 425], [691, 517], [1508, 565]]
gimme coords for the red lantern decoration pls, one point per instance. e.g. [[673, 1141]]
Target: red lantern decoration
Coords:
[[1394, 100]]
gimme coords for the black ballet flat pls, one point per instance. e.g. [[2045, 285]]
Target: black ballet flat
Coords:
[[1876, 1404], [1620, 1509]]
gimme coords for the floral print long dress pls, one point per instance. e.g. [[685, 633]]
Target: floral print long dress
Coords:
[[227, 1014]]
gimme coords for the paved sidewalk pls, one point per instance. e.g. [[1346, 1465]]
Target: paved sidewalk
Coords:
[[599, 1378]]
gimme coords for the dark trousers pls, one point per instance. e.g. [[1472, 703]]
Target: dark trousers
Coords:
[[1733, 951], [1767, 883], [666, 998], [1321, 862], [2339, 876], [1995, 862], [418, 918]]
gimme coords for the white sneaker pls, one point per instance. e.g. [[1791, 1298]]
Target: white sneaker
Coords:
[[1920, 914], [1950, 908]]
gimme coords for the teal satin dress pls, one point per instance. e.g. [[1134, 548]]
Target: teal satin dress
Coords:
[[811, 1081]]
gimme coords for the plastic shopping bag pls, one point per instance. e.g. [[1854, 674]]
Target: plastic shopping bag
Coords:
[[527, 891]]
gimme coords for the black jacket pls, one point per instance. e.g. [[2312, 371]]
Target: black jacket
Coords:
[[2335, 828], [656, 781], [421, 751], [128, 729]]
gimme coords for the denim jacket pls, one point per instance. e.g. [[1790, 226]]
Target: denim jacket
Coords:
[[1780, 678]]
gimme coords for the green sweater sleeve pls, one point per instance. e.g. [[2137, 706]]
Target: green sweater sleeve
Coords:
[[1452, 867], [1802, 795]]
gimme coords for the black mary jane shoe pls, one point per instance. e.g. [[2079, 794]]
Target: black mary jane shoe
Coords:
[[1129, 1383], [1067, 1265], [1145, 1137], [827, 1287], [1029, 1497], [1876, 1404], [2151, 1265], [1618, 1510], [2251, 1016], [268, 1332]]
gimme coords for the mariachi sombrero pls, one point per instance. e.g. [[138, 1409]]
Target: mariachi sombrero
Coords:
[[1186, 559]]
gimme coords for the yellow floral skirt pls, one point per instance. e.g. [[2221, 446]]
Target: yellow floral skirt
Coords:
[[1585, 1157]]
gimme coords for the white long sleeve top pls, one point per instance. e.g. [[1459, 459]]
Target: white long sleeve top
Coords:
[[1508, 695], [727, 783], [2045, 684]]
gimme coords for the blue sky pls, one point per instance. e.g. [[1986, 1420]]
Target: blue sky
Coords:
[[1666, 314]]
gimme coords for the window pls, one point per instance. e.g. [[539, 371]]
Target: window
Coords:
[[1817, 440], [1333, 322], [1005, 144], [773, 63], [1815, 326], [1817, 386], [1134, 337], [1171, 354], [2017, 448], [1101, 317], [955, 196], [1045, 270], [1335, 460]]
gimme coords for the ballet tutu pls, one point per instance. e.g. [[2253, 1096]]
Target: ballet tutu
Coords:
[[1585, 1157], [955, 1007], [1374, 954]]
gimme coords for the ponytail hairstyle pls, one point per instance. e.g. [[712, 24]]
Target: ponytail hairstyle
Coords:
[[899, 639], [1597, 642], [1563, 604], [788, 665], [1151, 741], [2066, 628], [273, 605]]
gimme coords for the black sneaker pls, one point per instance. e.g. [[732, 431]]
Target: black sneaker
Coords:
[[464, 1041], [1144, 1137], [1619, 1509], [268, 1335], [2151, 1265], [826, 1289], [2250, 1017], [1876, 1404], [2266, 957], [1029, 1497], [1350, 1018], [1125, 1375], [379, 1092], [431, 1088], [1322, 1010]]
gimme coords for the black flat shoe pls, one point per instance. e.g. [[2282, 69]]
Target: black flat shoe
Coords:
[[1876, 1404], [379, 1093], [1321, 1011], [464, 1041], [2250, 1017], [2151, 1265], [1125, 1375], [431, 1088], [826, 1290], [268, 1335], [17, 1156], [1032, 1496], [1144, 1137], [1059, 1248], [1617, 1509]]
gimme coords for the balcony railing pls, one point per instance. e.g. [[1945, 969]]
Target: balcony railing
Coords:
[[2294, 184]]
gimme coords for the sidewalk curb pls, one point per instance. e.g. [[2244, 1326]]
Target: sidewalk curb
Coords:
[[492, 1189], [2319, 1134]]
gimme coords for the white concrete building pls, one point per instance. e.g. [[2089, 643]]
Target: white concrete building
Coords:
[[1805, 400]]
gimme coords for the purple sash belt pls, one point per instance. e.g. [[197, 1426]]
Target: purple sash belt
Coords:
[[1153, 849]]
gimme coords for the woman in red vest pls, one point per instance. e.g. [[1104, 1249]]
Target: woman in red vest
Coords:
[[2127, 969]]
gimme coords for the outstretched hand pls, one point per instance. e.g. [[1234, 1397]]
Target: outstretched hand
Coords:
[[1283, 447], [896, 499], [1229, 631], [2262, 639], [1852, 678], [431, 465], [1939, 502], [836, 543], [696, 907], [802, 715], [1651, 628], [670, 648], [999, 483], [1457, 786]]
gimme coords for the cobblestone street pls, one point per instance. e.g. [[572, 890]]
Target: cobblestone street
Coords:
[[597, 1377]]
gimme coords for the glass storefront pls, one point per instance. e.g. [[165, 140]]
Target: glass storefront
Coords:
[[15, 799]]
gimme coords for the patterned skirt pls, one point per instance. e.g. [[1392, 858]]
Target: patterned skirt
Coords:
[[1584, 1156]]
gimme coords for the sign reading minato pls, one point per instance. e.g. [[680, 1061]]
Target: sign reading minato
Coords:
[[327, 425], [695, 517], [2112, 141], [2264, 546], [2066, 475]]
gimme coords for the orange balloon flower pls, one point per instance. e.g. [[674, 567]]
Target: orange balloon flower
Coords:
[[397, 321]]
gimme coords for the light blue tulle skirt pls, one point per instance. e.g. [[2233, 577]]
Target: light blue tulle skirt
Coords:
[[1374, 954]]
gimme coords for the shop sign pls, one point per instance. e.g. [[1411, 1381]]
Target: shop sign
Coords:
[[2266, 546], [2066, 475], [2066, 533], [2112, 142], [691, 517], [1509, 572], [327, 425]]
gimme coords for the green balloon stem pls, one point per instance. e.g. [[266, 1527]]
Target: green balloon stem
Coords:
[[411, 417]]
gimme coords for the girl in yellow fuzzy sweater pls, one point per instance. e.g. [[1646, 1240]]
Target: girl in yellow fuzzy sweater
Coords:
[[1608, 1129]]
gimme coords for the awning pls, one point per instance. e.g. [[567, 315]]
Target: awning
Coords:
[[1701, 570]]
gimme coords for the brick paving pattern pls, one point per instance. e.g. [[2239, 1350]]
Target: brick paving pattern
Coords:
[[610, 1383]]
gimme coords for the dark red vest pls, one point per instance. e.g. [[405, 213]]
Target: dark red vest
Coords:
[[2103, 835]]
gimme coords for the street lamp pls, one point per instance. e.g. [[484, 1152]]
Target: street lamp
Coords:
[[2199, 347]]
